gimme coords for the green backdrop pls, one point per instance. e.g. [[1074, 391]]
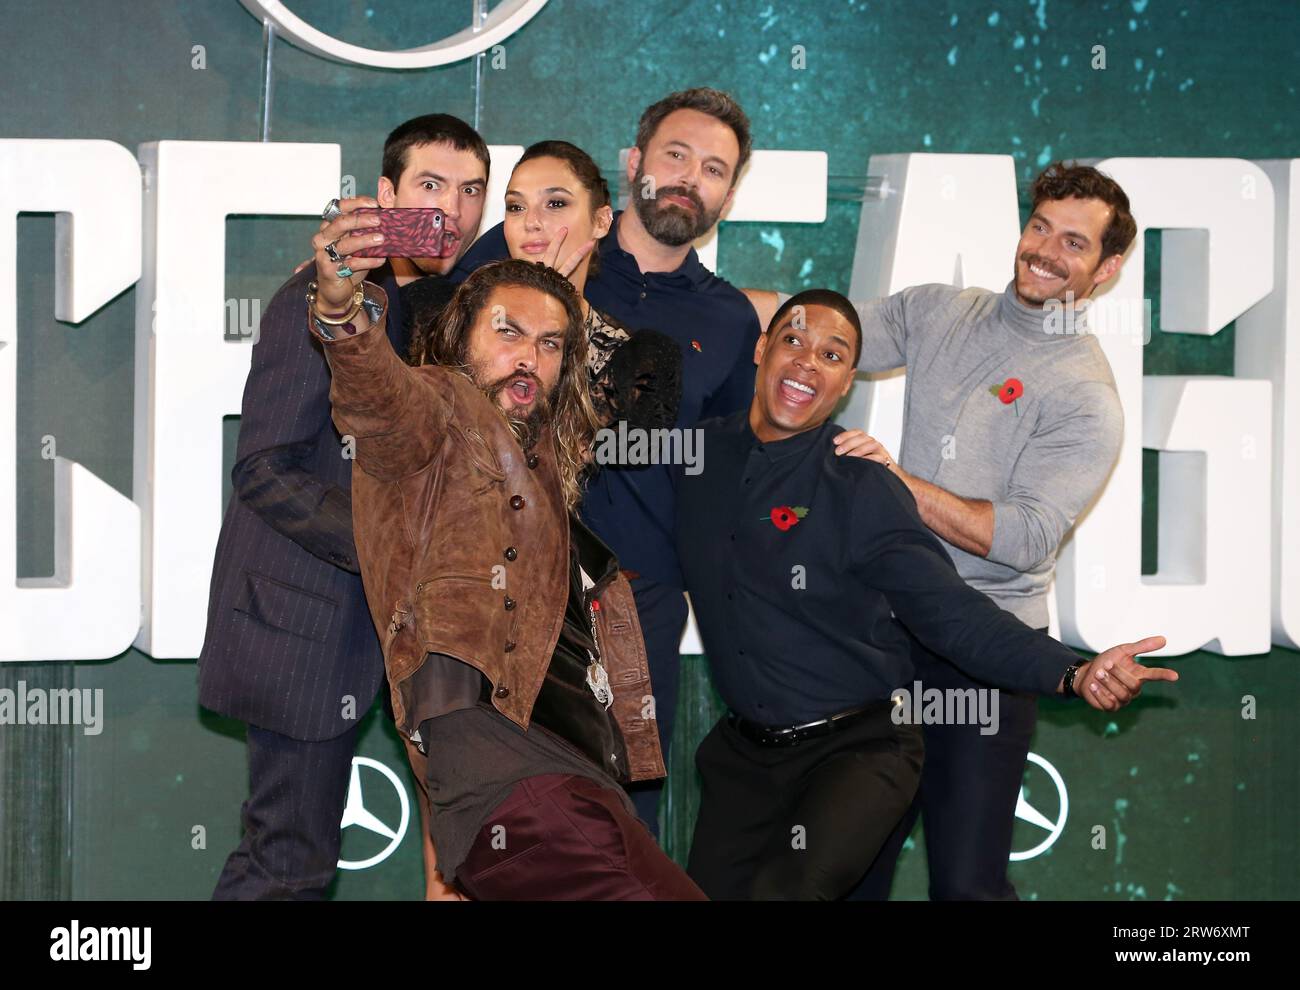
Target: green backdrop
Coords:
[[1196, 801]]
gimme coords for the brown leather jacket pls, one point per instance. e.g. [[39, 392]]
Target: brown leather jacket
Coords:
[[444, 500]]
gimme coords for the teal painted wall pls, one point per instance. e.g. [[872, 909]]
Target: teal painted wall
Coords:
[[1197, 802]]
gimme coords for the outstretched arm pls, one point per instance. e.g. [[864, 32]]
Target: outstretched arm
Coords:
[[895, 553], [392, 413]]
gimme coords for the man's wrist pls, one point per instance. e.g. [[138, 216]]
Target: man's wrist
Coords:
[[368, 310], [1070, 679]]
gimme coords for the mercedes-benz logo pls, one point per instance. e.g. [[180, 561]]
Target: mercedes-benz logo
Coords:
[[1034, 814], [356, 813]]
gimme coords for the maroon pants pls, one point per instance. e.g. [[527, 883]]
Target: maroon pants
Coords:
[[567, 838]]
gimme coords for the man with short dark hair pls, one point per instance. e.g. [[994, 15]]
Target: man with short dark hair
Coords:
[[690, 149], [289, 647], [1010, 429], [805, 569]]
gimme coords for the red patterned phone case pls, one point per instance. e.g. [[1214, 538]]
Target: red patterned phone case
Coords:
[[408, 233]]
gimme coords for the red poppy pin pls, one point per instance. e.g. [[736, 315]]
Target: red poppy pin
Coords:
[[1008, 392], [696, 345], [785, 516]]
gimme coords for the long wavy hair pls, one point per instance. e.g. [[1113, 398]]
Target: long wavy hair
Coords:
[[443, 339]]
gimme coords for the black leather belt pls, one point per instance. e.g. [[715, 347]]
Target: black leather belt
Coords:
[[792, 735]]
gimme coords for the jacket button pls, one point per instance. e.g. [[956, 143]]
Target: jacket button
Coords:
[[503, 692], [511, 553], [508, 647], [517, 502], [509, 603], [532, 460]]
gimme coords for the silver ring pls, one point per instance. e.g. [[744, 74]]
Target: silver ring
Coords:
[[344, 272], [331, 211], [333, 254]]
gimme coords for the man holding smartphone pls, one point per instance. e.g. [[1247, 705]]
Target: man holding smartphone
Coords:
[[290, 648]]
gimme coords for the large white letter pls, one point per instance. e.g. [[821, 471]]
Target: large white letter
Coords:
[[939, 218], [187, 375], [90, 608], [1268, 347], [1211, 589]]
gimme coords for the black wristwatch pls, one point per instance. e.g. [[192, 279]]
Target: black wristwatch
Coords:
[[1067, 688]]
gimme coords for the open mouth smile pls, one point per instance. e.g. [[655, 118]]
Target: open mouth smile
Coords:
[[797, 393]]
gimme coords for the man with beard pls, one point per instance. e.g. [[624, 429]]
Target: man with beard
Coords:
[[691, 147], [510, 636], [289, 646], [1010, 429]]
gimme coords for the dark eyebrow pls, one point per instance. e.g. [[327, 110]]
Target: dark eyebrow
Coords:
[[1069, 233], [708, 158], [836, 339], [513, 325], [426, 174], [552, 189]]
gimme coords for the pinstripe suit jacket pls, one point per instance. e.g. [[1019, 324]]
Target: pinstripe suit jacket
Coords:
[[290, 646]]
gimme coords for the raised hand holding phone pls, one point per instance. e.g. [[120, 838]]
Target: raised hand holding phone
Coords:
[[339, 270]]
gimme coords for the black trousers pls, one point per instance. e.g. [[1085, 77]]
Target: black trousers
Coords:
[[801, 822], [296, 793], [967, 797]]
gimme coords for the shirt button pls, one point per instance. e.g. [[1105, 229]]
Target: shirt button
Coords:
[[508, 647], [511, 553], [532, 460], [643, 295], [503, 692], [509, 603], [729, 596], [517, 502]]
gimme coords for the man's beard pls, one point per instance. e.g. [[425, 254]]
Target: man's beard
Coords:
[[670, 224], [527, 428], [1041, 296]]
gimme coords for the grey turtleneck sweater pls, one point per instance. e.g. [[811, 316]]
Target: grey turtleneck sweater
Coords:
[[1040, 459]]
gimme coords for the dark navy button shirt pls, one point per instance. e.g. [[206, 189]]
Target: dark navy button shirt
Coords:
[[631, 508], [794, 559]]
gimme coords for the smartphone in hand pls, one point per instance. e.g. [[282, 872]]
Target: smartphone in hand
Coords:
[[408, 233]]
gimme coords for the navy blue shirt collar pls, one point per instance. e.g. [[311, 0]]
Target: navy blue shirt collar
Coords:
[[690, 272], [738, 426]]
